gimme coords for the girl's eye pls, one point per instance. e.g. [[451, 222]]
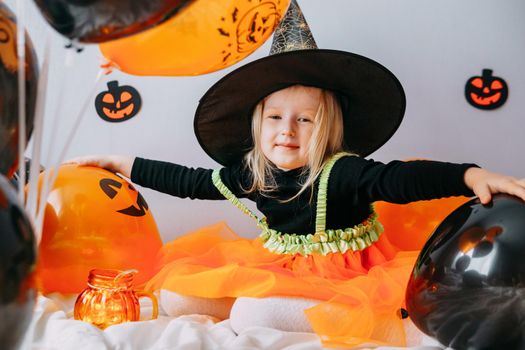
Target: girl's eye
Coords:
[[304, 120], [274, 117]]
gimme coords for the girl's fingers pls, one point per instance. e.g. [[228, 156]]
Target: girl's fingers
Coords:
[[83, 161], [483, 192], [512, 186], [519, 188], [71, 161]]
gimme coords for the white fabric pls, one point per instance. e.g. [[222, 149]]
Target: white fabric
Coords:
[[53, 328], [176, 305], [286, 314]]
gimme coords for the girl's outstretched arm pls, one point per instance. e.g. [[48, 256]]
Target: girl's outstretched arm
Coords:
[[485, 183], [114, 163]]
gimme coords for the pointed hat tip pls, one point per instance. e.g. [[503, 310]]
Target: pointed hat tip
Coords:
[[292, 33]]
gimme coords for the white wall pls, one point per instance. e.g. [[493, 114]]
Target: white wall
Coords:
[[432, 46]]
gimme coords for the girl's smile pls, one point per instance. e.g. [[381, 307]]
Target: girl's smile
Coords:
[[288, 121], [288, 146]]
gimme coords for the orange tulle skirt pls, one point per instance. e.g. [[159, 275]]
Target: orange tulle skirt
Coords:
[[360, 293]]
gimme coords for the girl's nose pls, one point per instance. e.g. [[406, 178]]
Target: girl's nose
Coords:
[[288, 127], [288, 132]]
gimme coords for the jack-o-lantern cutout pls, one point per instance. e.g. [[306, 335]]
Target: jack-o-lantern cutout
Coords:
[[118, 103], [486, 91], [205, 36], [94, 219]]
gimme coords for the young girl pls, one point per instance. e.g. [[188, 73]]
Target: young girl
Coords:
[[291, 131]]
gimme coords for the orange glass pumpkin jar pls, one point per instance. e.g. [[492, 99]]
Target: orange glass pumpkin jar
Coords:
[[109, 299]]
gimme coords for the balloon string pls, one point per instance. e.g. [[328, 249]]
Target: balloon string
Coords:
[[52, 174], [21, 55], [34, 169], [69, 60], [53, 121]]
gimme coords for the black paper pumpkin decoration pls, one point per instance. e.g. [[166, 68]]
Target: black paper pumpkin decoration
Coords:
[[486, 91], [118, 103]]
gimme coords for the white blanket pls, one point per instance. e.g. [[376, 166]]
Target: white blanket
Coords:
[[53, 328]]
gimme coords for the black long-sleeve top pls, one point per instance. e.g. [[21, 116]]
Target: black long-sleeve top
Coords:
[[354, 183]]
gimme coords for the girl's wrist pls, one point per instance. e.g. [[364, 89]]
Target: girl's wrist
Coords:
[[123, 165], [471, 175], [128, 166]]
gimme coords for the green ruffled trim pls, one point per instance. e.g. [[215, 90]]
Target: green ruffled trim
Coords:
[[320, 217], [355, 238], [225, 191], [323, 241]]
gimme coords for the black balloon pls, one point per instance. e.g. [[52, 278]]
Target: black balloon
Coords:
[[96, 21], [9, 91], [467, 288], [17, 263]]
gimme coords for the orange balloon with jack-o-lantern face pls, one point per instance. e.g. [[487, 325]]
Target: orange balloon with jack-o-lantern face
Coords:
[[94, 219], [205, 36]]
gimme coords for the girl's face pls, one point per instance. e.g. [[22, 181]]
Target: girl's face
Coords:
[[288, 120]]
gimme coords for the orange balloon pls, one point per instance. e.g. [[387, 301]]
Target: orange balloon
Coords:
[[206, 36], [408, 226], [94, 219]]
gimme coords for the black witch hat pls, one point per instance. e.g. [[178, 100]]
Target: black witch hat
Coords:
[[372, 99]]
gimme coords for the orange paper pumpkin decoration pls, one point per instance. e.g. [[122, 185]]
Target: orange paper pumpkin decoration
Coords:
[[408, 226], [203, 37], [94, 219], [486, 91], [118, 103]]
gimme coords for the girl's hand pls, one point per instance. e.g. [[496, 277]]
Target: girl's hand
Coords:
[[485, 183], [114, 163]]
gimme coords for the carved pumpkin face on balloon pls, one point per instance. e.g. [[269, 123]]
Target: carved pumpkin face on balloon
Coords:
[[118, 103], [113, 189], [94, 219], [486, 91]]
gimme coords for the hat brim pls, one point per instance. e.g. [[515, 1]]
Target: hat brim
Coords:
[[373, 99]]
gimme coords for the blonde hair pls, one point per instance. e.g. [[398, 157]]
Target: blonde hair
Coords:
[[326, 140]]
